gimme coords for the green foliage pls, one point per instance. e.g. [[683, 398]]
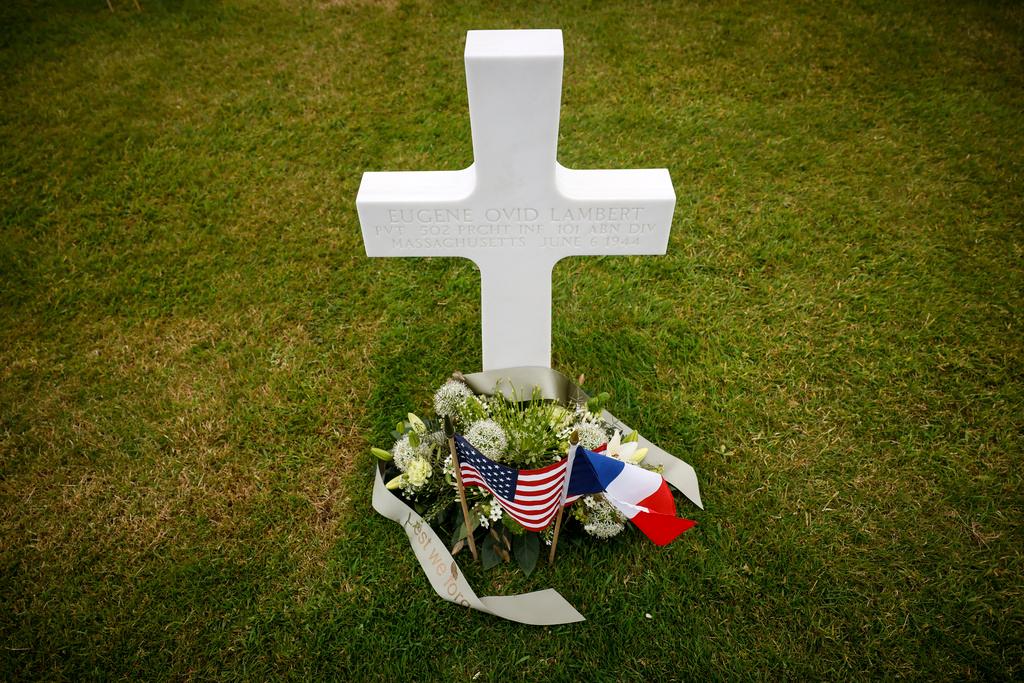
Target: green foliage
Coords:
[[526, 549], [460, 525], [512, 526], [471, 411], [489, 557], [435, 511], [533, 428], [496, 547]]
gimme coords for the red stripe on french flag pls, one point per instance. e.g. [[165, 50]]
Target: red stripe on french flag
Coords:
[[655, 515]]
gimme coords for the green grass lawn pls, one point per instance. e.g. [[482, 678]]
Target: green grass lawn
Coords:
[[195, 354]]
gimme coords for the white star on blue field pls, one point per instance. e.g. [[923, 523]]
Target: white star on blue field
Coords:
[[500, 478]]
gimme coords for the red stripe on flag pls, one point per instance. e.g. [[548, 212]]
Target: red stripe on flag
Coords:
[[655, 515], [471, 479], [536, 502]]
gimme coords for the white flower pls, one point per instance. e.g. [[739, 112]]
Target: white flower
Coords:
[[603, 528], [602, 519], [488, 512], [591, 434], [450, 397], [561, 418], [496, 510], [404, 453], [627, 452], [488, 437], [418, 473]]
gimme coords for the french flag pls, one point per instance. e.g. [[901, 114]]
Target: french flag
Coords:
[[639, 494]]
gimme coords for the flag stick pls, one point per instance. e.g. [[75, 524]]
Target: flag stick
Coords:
[[574, 439], [449, 431]]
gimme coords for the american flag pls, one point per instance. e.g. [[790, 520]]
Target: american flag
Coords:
[[529, 496]]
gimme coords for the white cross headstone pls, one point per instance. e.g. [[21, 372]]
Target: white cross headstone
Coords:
[[516, 211]]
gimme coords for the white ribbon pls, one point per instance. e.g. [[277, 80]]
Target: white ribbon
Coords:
[[540, 608], [676, 472]]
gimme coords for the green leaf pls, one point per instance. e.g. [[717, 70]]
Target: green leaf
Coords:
[[488, 554], [414, 439], [502, 540], [526, 549], [436, 510], [501, 544], [460, 531], [460, 524]]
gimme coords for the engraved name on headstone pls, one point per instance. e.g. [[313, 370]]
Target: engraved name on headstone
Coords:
[[516, 211]]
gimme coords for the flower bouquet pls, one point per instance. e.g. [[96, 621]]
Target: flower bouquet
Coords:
[[502, 433]]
